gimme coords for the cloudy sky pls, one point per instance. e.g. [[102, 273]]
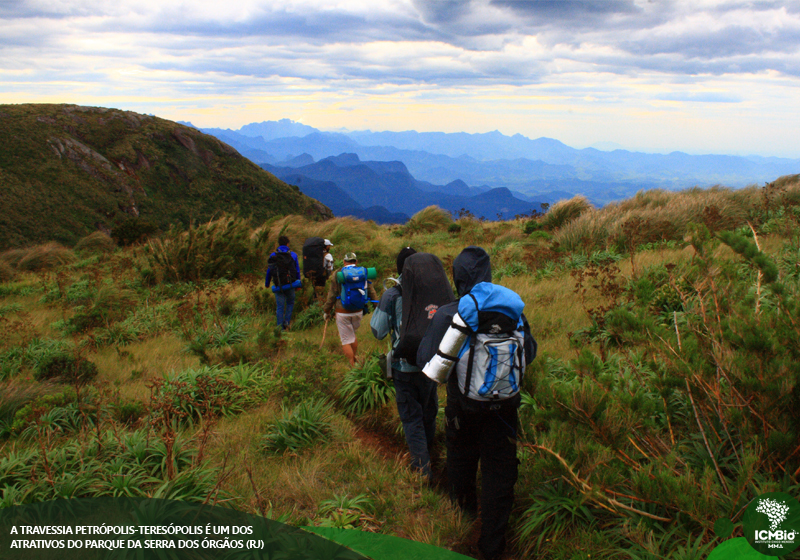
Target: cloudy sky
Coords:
[[701, 76]]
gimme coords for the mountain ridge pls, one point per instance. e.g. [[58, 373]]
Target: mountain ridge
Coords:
[[68, 170]]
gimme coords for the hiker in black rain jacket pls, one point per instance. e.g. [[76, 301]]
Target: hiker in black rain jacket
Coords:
[[477, 433]]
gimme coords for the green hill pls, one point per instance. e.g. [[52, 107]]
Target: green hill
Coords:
[[66, 171]]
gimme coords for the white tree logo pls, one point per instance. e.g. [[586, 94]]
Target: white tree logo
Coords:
[[776, 511]]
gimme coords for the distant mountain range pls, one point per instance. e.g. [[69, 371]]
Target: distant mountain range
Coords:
[[540, 170], [368, 189]]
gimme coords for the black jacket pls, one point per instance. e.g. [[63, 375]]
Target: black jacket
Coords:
[[472, 266]]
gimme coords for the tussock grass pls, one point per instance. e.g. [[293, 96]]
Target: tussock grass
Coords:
[[429, 219], [41, 257], [565, 211], [12, 256], [94, 243]]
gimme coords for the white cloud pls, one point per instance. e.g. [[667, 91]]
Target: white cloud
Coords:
[[551, 60]]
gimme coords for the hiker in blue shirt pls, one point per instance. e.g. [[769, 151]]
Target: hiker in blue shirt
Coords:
[[283, 271], [417, 400]]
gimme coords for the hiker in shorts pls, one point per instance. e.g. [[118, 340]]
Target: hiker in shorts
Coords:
[[347, 320], [283, 271], [480, 432], [417, 399]]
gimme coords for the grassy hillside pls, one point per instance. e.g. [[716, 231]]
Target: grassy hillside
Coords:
[[66, 171], [666, 395]]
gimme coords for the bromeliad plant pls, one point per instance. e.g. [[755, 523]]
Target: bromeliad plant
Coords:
[[306, 425], [365, 388]]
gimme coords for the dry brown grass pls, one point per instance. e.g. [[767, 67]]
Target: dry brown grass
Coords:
[[661, 215]]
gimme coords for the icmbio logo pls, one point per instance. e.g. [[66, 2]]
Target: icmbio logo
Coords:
[[772, 524]]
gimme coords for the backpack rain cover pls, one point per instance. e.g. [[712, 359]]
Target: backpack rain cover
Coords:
[[425, 289]]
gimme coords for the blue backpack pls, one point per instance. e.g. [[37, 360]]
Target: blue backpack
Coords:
[[353, 280], [494, 364]]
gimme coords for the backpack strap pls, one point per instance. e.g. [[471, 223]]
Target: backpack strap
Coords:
[[468, 379]]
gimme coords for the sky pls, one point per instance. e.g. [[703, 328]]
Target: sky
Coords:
[[699, 76]]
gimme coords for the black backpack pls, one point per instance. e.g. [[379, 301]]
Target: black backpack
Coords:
[[283, 268], [314, 259], [425, 289]]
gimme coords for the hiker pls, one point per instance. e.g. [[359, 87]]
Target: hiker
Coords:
[[328, 259], [283, 270], [349, 298], [317, 263], [417, 399], [481, 417]]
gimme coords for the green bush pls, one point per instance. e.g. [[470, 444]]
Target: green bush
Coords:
[[133, 230], [129, 412], [66, 368], [108, 306]]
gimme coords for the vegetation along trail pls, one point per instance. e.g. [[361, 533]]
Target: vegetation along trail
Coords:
[[666, 393]]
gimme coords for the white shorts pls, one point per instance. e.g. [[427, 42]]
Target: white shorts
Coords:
[[348, 324]]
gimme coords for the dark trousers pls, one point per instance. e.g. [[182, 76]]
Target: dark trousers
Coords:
[[284, 301], [487, 437], [417, 405]]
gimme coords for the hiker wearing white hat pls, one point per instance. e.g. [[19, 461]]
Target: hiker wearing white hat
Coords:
[[328, 259]]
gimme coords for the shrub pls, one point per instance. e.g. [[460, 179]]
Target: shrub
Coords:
[[46, 257], [97, 242], [218, 249], [429, 219], [129, 412], [133, 230], [307, 424], [108, 306], [66, 368]]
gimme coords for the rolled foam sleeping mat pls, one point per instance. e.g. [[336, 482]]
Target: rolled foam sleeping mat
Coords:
[[372, 273]]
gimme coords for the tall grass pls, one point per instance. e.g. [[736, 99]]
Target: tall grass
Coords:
[[657, 215], [222, 248]]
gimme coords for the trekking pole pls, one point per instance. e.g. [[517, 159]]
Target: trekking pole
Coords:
[[324, 330]]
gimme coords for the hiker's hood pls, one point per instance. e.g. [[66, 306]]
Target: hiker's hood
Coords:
[[471, 267]]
